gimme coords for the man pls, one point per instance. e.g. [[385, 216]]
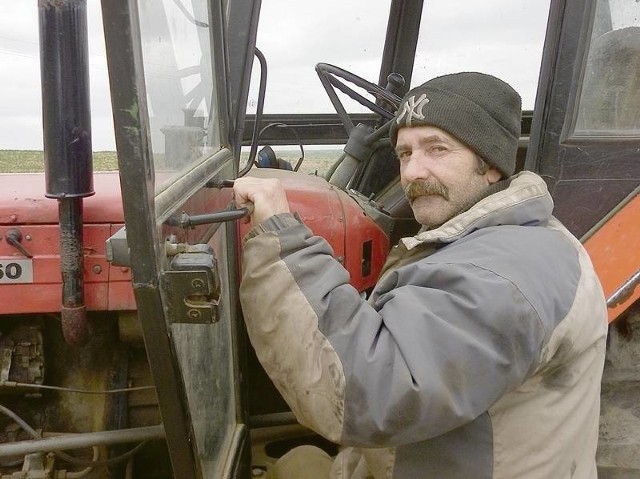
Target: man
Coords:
[[480, 351]]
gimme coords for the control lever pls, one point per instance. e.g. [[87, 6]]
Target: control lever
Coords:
[[189, 221], [14, 237], [395, 83]]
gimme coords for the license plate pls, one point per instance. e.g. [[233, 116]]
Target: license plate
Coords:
[[16, 270]]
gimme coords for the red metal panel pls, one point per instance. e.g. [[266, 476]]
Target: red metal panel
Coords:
[[121, 296], [46, 298], [22, 200], [331, 213], [24, 206], [44, 294], [361, 229], [315, 200], [328, 211]]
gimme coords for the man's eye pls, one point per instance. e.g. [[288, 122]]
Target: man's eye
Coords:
[[403, 155], [438, 148]]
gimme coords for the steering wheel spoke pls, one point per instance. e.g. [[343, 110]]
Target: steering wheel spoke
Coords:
[[333, 77]]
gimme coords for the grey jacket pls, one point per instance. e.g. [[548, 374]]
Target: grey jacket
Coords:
[[478, 355]]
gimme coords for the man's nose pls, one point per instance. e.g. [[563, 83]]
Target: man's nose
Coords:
[[416, 168]]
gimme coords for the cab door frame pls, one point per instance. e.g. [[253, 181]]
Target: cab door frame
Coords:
[[148, 217], [599, 171]]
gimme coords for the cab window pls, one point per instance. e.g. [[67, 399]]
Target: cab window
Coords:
[[176, 50], [609, 98], [503, 38], [295, 37]]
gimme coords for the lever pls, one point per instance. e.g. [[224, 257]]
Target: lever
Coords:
[[14, 237], [189, 221], [395, 83]]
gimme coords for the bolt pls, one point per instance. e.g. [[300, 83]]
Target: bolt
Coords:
[[197, 283], [194, 314], [97, 269], [257, 473], [124, 269], [13, 218], [28, 237]]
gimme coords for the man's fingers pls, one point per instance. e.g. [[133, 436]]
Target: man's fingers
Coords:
[[266, 194]]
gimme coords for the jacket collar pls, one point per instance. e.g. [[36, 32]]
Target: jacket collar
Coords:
[[525, 201]]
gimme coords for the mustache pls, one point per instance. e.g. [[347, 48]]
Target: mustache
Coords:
[[425, 188]]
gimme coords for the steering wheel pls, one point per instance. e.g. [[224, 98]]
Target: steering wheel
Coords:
[[334, 77]]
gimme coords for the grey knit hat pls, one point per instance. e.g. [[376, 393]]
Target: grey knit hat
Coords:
[[480, 110]]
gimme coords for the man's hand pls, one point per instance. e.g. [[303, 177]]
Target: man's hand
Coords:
[[266, 194]]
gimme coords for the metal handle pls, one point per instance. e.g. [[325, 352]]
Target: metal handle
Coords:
[[14, 237], [625, 291], [187, 221]]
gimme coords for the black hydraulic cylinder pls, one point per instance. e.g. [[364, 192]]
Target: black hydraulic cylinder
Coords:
[[66, 114]]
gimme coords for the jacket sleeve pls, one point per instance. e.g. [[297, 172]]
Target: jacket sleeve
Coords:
[[434, 348]]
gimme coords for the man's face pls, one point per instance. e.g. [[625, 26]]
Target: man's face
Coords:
[[439, 174]]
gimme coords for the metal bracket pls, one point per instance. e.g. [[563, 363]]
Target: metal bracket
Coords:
[[192, 286], [117, 248]]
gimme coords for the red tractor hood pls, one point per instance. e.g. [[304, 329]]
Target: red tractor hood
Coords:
[[23, 201]]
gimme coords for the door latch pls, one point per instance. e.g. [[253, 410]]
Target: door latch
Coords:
[[192, 286]]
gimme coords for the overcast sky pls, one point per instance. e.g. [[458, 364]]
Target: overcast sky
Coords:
[[501, 37]]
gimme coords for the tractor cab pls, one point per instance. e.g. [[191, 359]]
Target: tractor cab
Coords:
[[206, 91]]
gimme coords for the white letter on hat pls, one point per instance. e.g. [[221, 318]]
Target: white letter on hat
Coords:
[[412, 108]]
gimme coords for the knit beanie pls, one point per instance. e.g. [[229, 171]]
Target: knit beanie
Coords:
[[480, 110]]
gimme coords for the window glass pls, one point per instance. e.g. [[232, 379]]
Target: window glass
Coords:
[[295, 35], [503, 38], [176, 49], [500, 37], [610, 94]]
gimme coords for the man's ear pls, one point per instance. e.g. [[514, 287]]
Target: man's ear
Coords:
[[493, 175]]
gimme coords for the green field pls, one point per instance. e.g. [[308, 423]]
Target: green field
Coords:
[[32, 161]]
